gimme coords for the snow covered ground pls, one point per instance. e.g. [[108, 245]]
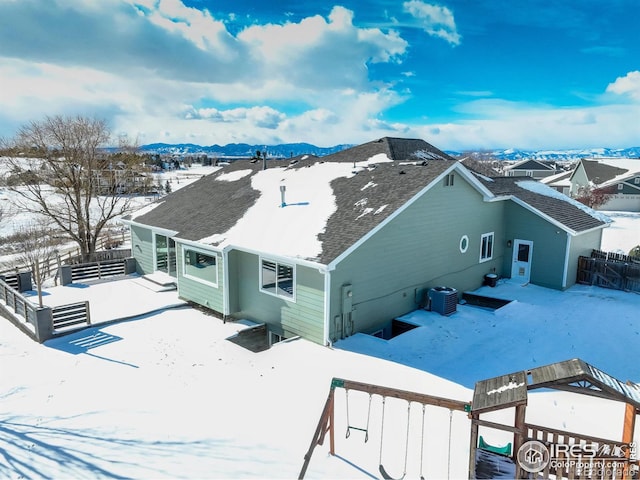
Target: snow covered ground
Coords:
[[165, 395]]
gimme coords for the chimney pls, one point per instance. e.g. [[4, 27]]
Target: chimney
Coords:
[[283, 189]]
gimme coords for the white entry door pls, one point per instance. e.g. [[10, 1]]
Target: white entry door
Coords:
[[522, 254]]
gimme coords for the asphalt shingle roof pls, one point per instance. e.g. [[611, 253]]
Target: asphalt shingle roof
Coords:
[[209, 207], [559, 209], [599, 172]]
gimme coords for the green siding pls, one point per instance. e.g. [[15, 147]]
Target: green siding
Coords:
[[549, 245], [142, 248], [197, 292], [304, 317], [581, 245], [578, 179], [392, 270]]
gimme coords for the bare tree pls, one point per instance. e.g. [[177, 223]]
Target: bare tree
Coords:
[[36, 244], [592, 197], [59, 172]]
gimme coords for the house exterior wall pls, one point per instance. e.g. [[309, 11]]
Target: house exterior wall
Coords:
[[391, 272], [199, 292], [581, 245], [515, 172], [304, 316], [549, 245], [142, 249], [625, 202], [578, 179]]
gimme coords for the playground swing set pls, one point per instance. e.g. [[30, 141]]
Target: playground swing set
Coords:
[[326, 423]]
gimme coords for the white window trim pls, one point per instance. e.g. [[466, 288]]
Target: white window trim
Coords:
[[293, 266], [493, 242], [620, 186], [204, 252]]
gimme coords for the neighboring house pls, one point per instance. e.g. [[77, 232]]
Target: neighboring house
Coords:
[[326, 247], [619, 177], [117, 178], [560, 182], [530, 168]]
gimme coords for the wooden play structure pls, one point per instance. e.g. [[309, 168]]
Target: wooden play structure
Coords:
[[535, 451]]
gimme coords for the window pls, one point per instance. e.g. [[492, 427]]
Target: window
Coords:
[[636, 180], [464, 244], [620, 186], [529, 173], [200, 266], [448, 180], [486, 247], [277, 279]]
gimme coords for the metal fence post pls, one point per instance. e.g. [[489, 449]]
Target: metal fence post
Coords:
[[44, 324], [86, 306]]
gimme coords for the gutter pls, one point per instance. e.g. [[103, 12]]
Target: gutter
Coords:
[[566, 261]]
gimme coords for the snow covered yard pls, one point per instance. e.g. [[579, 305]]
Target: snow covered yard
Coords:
[[540, 326], [167, 396]]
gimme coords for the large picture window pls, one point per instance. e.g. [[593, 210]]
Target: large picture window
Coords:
[[277, 278], [201, 266], [486, 247]]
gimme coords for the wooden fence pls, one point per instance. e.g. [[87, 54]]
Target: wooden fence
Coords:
[[106, 247], [16, 304], [70, 315], [610, 270], [42, 323], [96, 270]]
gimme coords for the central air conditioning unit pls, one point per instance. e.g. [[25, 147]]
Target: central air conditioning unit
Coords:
[[443, 300]]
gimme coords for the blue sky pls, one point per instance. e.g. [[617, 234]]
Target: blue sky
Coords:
[[461, 74]]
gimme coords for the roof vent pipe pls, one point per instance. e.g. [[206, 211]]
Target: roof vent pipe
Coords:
[[283, 189]]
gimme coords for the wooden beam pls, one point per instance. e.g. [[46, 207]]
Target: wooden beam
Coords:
[[628, 432], [318, 435], [422, 398], [473, 445]]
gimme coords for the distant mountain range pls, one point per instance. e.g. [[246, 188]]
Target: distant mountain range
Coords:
[[234, 150], [286, 150]]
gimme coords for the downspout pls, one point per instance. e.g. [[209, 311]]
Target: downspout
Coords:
[[566, 261], [225, 294], [327, 308]]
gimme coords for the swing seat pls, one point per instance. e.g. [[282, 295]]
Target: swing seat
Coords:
[[506, 450]]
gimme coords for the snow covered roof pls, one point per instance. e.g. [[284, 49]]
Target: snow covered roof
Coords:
[[530, 164], [573, 375], [566, 212], [559, 179], [329, 203]]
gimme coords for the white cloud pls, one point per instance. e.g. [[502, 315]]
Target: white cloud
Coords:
[[628, 85], [503, 124], [304, 53], [437, 21]]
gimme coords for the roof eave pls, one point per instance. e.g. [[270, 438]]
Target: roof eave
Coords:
[[160, 230]]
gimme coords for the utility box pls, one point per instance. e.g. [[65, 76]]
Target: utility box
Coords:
[[443, 300]]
